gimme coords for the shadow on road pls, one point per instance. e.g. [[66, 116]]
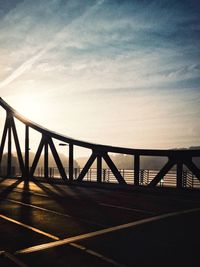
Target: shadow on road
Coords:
[[9, 189], [25, 214]]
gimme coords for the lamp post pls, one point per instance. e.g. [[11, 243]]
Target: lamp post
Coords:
[[71, 159]]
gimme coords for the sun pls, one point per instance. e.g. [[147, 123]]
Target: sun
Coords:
[[30, 106]]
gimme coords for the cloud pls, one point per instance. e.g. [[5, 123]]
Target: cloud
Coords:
[[20, 70], [58, 38], [105, 39]]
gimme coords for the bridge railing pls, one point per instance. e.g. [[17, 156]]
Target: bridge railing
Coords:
[[146, 176], [172, 171]]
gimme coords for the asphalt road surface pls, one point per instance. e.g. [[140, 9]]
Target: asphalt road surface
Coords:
[[44, 224]]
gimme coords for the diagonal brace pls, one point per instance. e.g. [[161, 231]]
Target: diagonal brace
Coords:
[[193, 168], [57, 158], [37, 156], [19, 153], [86, 167], [114, 169], [5, 130], [162, 172]]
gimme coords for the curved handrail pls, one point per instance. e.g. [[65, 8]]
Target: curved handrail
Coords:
[[94, 146]]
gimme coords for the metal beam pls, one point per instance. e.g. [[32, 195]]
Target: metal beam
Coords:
[[3, 139], [46, 160], [162, 172], [114, 169], [57, 159], [99, 169], [136, 169], [26, 152], [71, 162], [193, 168], [86, 167], [37, 157], [19, 153], [9, 158], [179, 174]]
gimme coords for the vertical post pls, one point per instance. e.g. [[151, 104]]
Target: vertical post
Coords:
[[9, 159], [71, 162], [75, 173], [179, 174], [184, 178], [136, 169], [99, 169], [3, 139], [104, 175], [26, 152], [147, 176], [46, 160]]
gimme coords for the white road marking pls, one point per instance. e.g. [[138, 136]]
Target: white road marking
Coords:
[[88, 251], [29, 227], [12, 258], [103, 231], [126, 208]]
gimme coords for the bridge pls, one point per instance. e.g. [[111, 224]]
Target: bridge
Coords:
[[95, 216], [175, 158]]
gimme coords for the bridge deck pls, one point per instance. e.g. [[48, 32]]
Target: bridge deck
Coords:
[[106, 227]]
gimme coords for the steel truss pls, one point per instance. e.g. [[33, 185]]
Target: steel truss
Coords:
[[176, 158]]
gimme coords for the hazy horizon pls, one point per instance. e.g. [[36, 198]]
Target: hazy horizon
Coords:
[[122, 73]]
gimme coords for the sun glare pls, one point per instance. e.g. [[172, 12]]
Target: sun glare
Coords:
[[30, 107]]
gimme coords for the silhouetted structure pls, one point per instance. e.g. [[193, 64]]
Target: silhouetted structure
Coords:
[[176, 158]]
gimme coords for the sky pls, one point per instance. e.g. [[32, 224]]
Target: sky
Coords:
[[123, 73]]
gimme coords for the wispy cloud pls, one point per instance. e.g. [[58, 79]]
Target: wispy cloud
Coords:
[[126, 39], [62, 35], [20, 70]]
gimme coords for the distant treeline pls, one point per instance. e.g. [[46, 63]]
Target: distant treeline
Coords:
[[127, 162], [121, 161], [52, 163]]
